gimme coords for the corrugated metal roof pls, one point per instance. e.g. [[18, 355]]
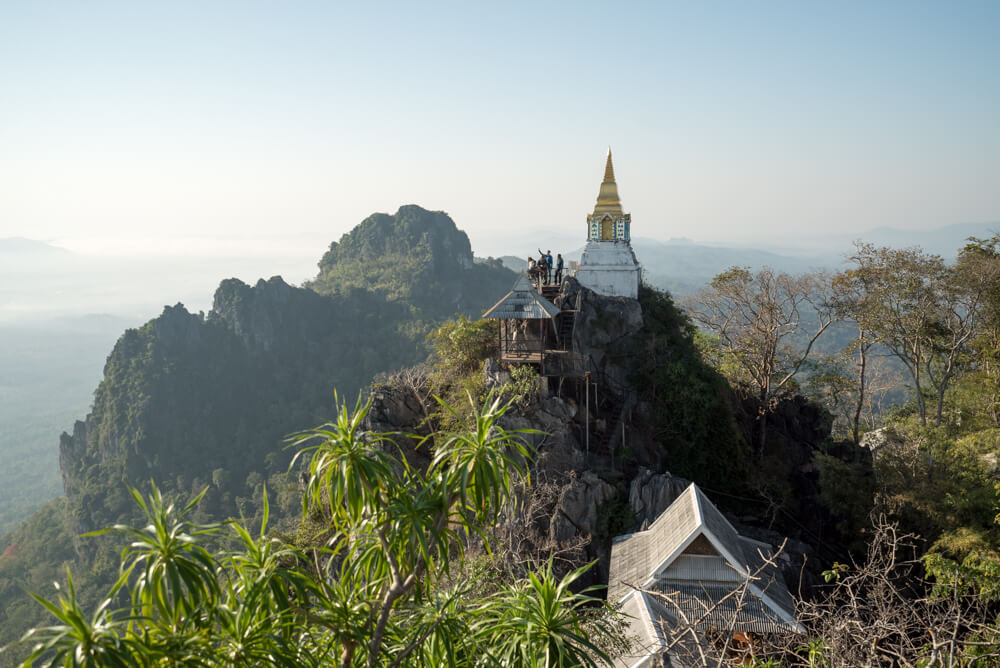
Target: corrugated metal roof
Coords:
[[522, 303], [705, 607], [692, 555], [769, 579], [636, 558]]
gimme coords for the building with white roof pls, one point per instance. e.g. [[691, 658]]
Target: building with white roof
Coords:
[[690, 574]]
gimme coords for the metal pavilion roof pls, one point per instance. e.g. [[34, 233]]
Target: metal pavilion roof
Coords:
[[686, 564], [522, 303]]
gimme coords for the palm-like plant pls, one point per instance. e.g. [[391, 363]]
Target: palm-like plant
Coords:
[[78, 640], [347, 468], [480, 462], [374, 594], [540, 622], [175, 578]]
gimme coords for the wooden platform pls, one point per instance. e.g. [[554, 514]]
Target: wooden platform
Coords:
[[551, 363]]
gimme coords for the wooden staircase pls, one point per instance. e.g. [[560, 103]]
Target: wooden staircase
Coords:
[[567, 320], [613, 430]]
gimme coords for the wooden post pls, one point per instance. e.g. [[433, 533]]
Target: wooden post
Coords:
[[541, 346], [586, 380]]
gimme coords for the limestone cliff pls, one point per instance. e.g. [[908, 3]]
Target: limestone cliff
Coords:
[[678, 417], [188, 400]]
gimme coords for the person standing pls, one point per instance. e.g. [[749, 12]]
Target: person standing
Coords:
[[559, 268], [547, 258]]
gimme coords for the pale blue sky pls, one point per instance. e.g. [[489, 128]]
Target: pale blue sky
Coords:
[[293, 121]]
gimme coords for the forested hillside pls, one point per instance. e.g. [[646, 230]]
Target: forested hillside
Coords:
[[890, 506], [49, 370], [190, 401]]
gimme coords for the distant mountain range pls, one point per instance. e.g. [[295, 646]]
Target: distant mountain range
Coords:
[[20, 247], [682, 266], [944, 241]]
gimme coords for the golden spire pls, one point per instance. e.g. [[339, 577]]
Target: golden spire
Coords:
[[607, 198], [609, 169]]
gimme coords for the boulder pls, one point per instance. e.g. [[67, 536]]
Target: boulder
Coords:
[[575, 513], [879, 440], [650, 494]]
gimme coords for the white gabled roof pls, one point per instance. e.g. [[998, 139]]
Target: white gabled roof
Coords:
[[719, 562], [641, 556], [522, 303]]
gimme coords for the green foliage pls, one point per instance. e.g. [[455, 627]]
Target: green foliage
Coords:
[[816, 653], [375, 591], [79, 640], [688, 398], [934, 483], [542, 622], [614, 518], [461, 345], [835, 572], [977, 571], [522, 390], [847, 488]]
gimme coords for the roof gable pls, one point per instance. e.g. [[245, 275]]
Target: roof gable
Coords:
[[694, 554], [690, 518], [691, 522], [522, 303]]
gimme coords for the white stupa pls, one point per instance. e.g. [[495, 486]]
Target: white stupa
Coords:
[[608, 265]]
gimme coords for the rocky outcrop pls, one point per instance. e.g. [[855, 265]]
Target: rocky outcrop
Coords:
[[417, 257], [255, 313], [575, 513], [603, 325], [184, 396], [399, 407], [650, 494], [881, 440]]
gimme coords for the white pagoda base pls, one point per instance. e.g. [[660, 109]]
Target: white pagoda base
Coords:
[[609, 268]]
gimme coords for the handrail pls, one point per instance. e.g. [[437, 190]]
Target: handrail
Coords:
[[624, 394]]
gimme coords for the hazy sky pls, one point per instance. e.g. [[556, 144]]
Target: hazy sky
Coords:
[[126, 122]]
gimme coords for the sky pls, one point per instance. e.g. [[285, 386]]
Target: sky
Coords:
[[261, 127]]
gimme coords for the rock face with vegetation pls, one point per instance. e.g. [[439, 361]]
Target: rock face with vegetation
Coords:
[[185, 396], [193, 401], [680, 417], [417, 258]]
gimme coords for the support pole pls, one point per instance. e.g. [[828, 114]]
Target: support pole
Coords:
[[586, 380]]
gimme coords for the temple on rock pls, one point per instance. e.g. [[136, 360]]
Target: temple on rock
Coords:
[[608, 265]]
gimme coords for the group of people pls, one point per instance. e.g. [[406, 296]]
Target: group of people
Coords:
[[541, 269]]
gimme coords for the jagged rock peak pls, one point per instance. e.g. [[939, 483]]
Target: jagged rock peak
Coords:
[[412, 230]]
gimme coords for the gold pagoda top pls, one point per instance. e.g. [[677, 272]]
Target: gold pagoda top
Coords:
[[607, 198]]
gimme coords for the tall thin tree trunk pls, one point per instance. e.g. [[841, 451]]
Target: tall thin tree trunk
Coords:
[[762, 423], [921, 405], [863, 361], [940, 399]]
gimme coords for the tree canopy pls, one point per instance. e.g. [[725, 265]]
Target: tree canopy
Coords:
[[382, 582]]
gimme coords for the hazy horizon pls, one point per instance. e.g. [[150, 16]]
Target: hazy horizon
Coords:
[[729, 122]]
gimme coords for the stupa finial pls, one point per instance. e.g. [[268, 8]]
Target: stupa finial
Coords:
[[607, 198]]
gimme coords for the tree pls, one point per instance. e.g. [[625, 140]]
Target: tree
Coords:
[[379, 583], [979, 262], [924, 311], [852, 295], [767, 324]]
